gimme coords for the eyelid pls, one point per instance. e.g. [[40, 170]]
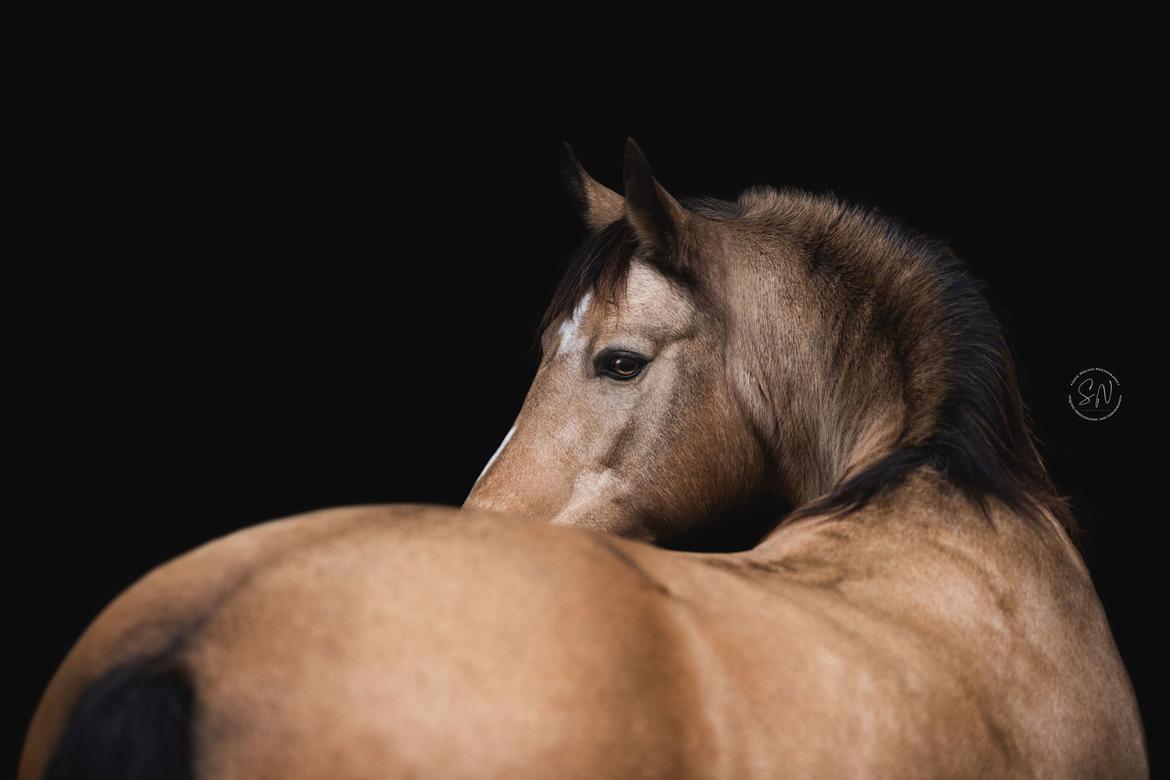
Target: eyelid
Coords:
[[606, 354], [624, 349]]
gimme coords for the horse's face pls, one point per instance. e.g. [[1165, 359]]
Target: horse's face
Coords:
[[631, 424]]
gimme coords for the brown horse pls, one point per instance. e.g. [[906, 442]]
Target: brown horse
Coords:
[[920, 612]]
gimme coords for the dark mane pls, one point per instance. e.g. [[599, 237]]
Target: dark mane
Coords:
[[598, 265], [981, 439]]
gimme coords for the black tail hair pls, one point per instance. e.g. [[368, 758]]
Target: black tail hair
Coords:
[[133, 723]]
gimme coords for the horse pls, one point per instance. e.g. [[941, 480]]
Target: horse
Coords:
[[772, 506]]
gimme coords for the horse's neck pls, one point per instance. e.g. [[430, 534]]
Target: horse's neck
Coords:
[[927, 543], [1004, 609]]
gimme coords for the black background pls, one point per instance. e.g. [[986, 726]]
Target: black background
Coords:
[[277, 285]]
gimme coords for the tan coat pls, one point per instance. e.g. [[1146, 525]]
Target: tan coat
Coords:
[[405, 641]]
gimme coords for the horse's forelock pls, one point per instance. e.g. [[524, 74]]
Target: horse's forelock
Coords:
[[601, 263]]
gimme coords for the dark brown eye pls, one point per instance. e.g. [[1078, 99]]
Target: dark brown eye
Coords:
[[622, 365]]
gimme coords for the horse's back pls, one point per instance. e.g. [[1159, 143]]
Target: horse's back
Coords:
[[397, 641], [338, 643]]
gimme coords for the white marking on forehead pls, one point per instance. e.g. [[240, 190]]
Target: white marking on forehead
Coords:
[[571, 336], [496, 454], [652, 306]]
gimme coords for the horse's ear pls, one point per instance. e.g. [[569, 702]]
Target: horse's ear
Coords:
[[657, 217], [597, 204]]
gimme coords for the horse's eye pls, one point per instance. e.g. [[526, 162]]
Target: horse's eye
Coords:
[[622, 365]]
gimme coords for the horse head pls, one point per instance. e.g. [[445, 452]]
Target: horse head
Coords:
[[633, 424], [707, 364]]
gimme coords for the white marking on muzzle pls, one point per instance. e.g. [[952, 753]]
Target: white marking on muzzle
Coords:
[[590, 489], [496, 454]]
